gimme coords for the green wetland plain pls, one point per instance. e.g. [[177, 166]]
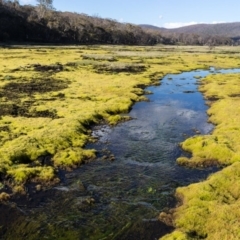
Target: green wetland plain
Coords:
[[51, 96]]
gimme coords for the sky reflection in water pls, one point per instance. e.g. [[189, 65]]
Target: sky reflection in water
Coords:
[[141, 181]]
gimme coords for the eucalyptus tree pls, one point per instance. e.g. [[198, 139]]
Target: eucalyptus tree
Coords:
[[44, 6], [48, 4]]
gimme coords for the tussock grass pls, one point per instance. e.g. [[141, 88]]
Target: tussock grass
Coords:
[[50, 96]]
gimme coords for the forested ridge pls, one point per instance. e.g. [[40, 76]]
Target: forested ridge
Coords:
[[218, 30], [34, 24]]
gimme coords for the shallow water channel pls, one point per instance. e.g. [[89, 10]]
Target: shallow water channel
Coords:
[[122, 199]]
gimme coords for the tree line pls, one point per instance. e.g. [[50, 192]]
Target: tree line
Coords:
[[42, 24]]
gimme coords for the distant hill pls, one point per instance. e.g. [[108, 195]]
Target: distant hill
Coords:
[[231, 30], [148, 26], [221, 29]]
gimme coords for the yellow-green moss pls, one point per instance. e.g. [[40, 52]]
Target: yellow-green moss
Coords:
[[176, 235], [72, 157], [21, 173], [210, 209], [50, 97], [223, 144]]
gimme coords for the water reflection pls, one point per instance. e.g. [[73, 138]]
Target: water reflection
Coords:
[[116, 200]]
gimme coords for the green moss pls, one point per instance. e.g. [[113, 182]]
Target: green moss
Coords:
[[176, 235], [222, 146], [21, 173], [72, 157], [113, 120], [51, 97], [210, 209]]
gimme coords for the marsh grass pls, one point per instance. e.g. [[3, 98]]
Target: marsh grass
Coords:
[[50, 96]]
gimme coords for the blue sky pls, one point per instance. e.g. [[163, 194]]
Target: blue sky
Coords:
[[161, 13]]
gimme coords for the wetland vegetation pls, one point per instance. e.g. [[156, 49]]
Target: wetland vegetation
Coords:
[[51, 96], [210, 209]]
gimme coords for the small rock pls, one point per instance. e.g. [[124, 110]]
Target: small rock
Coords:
[[38, 187], [104, 157], [111, 157]]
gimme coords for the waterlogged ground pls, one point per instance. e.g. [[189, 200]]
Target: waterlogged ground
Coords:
[[210, 209], [49, 100], [122, 199]]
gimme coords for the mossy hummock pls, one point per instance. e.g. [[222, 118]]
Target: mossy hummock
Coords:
[[210, 209], [53, 95]]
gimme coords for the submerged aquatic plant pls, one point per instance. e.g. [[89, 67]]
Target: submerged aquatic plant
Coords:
[[50, 99]]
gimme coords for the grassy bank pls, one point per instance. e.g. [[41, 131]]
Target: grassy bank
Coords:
[[210, 209], [50, 96]]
